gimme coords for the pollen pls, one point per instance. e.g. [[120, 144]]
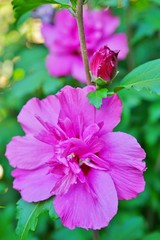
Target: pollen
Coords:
[[70, 156]]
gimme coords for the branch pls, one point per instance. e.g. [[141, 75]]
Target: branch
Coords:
[[79, 17], [96, 235]]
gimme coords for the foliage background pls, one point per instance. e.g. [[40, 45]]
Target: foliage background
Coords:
[[23, 75]]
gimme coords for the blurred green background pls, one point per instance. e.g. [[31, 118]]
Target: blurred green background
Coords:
[[23, 75]]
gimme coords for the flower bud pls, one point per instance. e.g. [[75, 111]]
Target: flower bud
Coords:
[[103, 63]]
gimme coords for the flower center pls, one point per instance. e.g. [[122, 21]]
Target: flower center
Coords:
[[81, 164]]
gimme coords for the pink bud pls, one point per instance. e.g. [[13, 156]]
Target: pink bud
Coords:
[[103, 63]]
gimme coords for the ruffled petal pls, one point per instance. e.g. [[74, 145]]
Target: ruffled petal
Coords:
[[110, 113], [103, 20], [90, 205], [48, 108], [34, 185], [74, 103], [124, 155], [28, 152]]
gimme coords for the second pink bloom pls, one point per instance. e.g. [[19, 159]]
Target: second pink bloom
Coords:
[[63, 41]]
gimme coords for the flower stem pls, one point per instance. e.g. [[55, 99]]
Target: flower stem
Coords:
[[96, 235], [79, 17]]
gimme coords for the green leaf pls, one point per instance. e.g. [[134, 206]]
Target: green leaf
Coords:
[[31, 75], [6, 219], [28, 213], [95, 97], [21, 7], [107, 3], [52, 85], [129, 228], [74, 4], [76, 234], [146, 76], [152, 236]]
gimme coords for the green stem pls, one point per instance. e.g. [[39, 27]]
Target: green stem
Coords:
[[79, 17], [96, 235]]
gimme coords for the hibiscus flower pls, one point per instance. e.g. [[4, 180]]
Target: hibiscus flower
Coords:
[[62, 40], [71, 152]]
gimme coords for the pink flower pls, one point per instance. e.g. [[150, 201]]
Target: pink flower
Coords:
[[70, 151], [103, 63], [63, 41]]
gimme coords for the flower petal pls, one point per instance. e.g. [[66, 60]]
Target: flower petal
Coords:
[[102, 21], [59, 65], [99, 195], [48, 108], [78, 70], [110, 113], [95, 62], [62, 186], [125, 156], [118, 42], [49, 34], [53, 34], [28, 152], [74, 102], [34, 185]]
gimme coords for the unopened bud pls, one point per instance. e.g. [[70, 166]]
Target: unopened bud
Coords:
[[103, 63]]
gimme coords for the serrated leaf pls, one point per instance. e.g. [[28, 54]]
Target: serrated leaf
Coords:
[[28, 213], [145, 76], [96, 97], [20, 6]]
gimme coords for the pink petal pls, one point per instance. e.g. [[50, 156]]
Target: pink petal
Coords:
[[95, 62], [110, 113], [91, 130], [62, 186], [118, 42], [48, 33], [59, 65], [55, 34], [111, 22], [28, 152], [34, 185], [48, 108], [88, 206], [125, 156], [67, 17], [103, 20], [74, 102], [78, 70]]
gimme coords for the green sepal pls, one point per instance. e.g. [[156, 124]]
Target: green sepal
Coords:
[[95, 97]]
